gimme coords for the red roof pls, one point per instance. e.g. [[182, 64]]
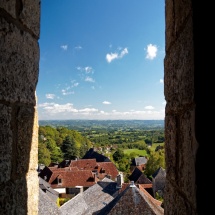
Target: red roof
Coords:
[[107, 168], [83, 178], [84, 164]]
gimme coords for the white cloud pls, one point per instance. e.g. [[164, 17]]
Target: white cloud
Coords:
[[161, 81], [151, 51], [88, 110], [78, 47], [112, 56], [67, 111], [64, 47], [89, 79], [149, 107], [75, 84], [66, 92], [53, 108], [88, 69], [50, 96], [106, 103]]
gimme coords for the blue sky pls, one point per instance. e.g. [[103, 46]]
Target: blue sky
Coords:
[[101, 59]]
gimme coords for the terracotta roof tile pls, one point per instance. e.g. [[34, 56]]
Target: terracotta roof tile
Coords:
[[83, 178]]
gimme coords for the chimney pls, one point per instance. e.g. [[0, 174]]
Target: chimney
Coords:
[[132, 184], [120, 180]]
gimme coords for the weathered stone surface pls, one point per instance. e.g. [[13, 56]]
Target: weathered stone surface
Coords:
[[6, 139], [179, 79], [19, 64], [13, 197], [25, 126], [176, 203], [9, 6], [176, 15], [33, 164], [33, 192], [30, 15], [180, 152], [169, 24]]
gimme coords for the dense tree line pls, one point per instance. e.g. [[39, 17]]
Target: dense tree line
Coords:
[[56, 144]]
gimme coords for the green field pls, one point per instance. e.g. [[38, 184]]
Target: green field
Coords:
[[154, 145], [136, 151]]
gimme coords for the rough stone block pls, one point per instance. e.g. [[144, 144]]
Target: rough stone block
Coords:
[[9, 7], [30, 15], [175, 203], [179, 79], [6, 140], [176, 15], [13, 197], [181, 147], [170, 145], [25, 126], [19, 63]]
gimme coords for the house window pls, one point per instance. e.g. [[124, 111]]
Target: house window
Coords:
[[59, 181]]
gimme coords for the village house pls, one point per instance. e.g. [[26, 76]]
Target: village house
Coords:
[[71, 177]]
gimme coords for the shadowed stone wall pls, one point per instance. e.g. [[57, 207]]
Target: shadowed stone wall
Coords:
[[181, 144], [19, 67], [189, 112]]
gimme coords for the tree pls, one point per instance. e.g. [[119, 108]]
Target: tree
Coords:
[[118, 155], [156, 160], [43, 154], [55, 151], [69, 148]]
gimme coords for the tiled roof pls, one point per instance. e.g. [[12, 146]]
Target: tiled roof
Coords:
[[64, 163], [83, 178], [161, 171], [142, 188], [107, 168], [93, 199], [138, 177], [46, 187], [46, 173], [99, 157], [84, 164], [46, 205], [140, 161], [79, 173], [132, 201]]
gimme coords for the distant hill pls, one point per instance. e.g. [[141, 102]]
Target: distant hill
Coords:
[[85, 124]]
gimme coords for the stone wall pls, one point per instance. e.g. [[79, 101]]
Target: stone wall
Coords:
[[181, 145], [19, 67]]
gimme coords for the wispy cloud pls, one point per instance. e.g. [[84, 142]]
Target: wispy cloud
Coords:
[[112, 56], [64, 47], [149, 107], [161, 81], [151, 51], [66, 92], [68, 111], [50, 96], [78, 47], [86, 69], [106, 103], [74, 83], [89, 79]]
